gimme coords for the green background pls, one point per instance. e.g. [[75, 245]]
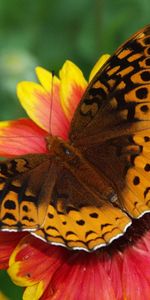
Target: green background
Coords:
[[46, 33]]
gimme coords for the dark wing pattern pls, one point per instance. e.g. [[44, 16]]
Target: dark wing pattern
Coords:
[[111, 126], [117, 99], [23, 197], [111, 130], [87, 227]]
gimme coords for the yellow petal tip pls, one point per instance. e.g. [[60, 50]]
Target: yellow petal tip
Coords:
[[98, 65]]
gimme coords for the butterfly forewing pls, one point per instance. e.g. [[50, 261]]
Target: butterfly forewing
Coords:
[[25, 188], [119, 93]]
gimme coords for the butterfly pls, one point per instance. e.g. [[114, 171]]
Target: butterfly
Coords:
[[84, 193]]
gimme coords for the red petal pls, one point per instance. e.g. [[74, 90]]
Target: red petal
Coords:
[[37, 261], [21, 137], [113, 267], [8, 242], [146, 241], [77, 275], [82, 276], [135, 278]]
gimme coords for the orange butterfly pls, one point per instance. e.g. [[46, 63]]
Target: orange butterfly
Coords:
[[84, 193]]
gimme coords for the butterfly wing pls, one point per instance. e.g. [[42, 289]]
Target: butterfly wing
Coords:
[[111, 129], [87, 227], [136, 193], [35, 195], [125, 161], [26, 183], [118, 96], [111, 125]]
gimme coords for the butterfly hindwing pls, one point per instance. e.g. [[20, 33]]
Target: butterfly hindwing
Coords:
[[85, 227], [136, 194], [126, 162]]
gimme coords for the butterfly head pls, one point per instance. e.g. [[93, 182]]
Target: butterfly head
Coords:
[[52, 143], [59, 148]]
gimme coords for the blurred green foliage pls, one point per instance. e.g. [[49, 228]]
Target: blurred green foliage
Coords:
[[47, 32], [8, 288]]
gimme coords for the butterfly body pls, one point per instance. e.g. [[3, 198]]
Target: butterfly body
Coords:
[[83, 193], [70, 158]]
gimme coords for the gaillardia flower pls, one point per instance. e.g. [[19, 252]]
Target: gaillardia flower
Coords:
[[117, 272]]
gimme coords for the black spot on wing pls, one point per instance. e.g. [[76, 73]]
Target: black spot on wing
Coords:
[[9, 204], [9, 216], [147, 190], [70, 233]]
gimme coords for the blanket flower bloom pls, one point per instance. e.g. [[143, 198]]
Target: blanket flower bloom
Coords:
[[117, 272]]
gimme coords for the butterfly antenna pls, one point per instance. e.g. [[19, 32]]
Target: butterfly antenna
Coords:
[[51, 104], [20, 136], [50, 117]]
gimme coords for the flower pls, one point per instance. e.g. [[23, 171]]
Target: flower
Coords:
[[117, 272], [2, 296]]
